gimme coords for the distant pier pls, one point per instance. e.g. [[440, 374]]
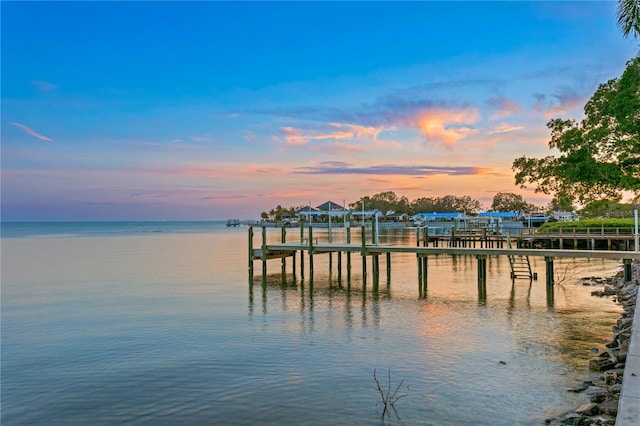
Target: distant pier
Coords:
[[478, 244]]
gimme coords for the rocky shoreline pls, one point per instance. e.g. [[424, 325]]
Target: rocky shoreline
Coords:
[[604, 391]]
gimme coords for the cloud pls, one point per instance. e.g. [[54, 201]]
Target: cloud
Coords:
[[443, 126], [297, 137], [223, 197], [567, 99], [44, 85], [292, 136], [31, 132], [505, 128], [339, 167], [201, 138], [358, 131], [503, 107]]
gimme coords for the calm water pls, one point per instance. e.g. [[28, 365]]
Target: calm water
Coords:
[[156, 323]]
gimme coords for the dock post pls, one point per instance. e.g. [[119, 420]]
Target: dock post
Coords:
[[349, 257], [426, 236], [264, 251], [422, 275], [627, 269], [364, 258], [420, 272], [388, 267], [310, 253], [550, 280], [283, 259], [339, 268], [374, 232], [302, 251], [251, 255], [375, 262], [482, 276], [293, 264], [549, 270]]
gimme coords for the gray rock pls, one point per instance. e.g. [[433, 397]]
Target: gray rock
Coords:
[[590, 409]]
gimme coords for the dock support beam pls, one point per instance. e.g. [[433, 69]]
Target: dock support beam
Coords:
[[250, 255], [283, 260], [310, 253], [482, 276], [375, 262], [364, 258], [549, 270], [422, 275], [264, 251], [388, 268], [627, 269]]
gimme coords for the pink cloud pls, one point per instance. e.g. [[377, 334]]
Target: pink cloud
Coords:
[[505, 128], [339, 148], [296, 137], [503, 107], [31, 132], [444, 126], [358, 131], [568, 100], [292, 136]]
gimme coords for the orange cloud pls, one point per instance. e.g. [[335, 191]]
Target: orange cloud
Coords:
[[445, 126], [358, 131], [293, 136], [297, 137]]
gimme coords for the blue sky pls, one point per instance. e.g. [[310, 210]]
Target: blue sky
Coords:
[[214, 110]]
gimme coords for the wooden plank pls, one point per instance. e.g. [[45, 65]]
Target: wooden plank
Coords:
[[373, 249]]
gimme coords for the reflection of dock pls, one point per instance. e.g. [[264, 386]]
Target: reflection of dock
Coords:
[[422, 250]]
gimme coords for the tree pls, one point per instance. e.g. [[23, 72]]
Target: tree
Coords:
[[448, 203], [629, 17], [464, 204], [607, 208], [510, 202], [600, 156], [384, 202], [561, 203]]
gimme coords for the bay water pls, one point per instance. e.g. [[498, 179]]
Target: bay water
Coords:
[[158, 323]]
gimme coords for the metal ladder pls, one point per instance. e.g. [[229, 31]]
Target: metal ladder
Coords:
[[520, 265]]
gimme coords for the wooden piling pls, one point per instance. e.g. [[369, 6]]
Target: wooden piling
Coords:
[[283, 259], [627, 269], [250, 255], [264, 251], [549, 270], [310, 252], [482, 276], [363, 252]]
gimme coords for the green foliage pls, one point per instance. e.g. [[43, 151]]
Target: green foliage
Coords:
[[600, 156], [607, 208], [510, 202], [590, 223], [448, 203], [629, 17], [389, 201]]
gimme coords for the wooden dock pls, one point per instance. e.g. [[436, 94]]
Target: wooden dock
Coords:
[[422, 250]]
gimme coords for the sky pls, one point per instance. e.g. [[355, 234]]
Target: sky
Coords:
[[220, 110]]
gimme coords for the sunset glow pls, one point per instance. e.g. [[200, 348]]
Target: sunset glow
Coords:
[[215, 110]]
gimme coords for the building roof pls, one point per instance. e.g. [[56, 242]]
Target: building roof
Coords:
[[329, 205], [439, 215], [306, 209], [500, 214]]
